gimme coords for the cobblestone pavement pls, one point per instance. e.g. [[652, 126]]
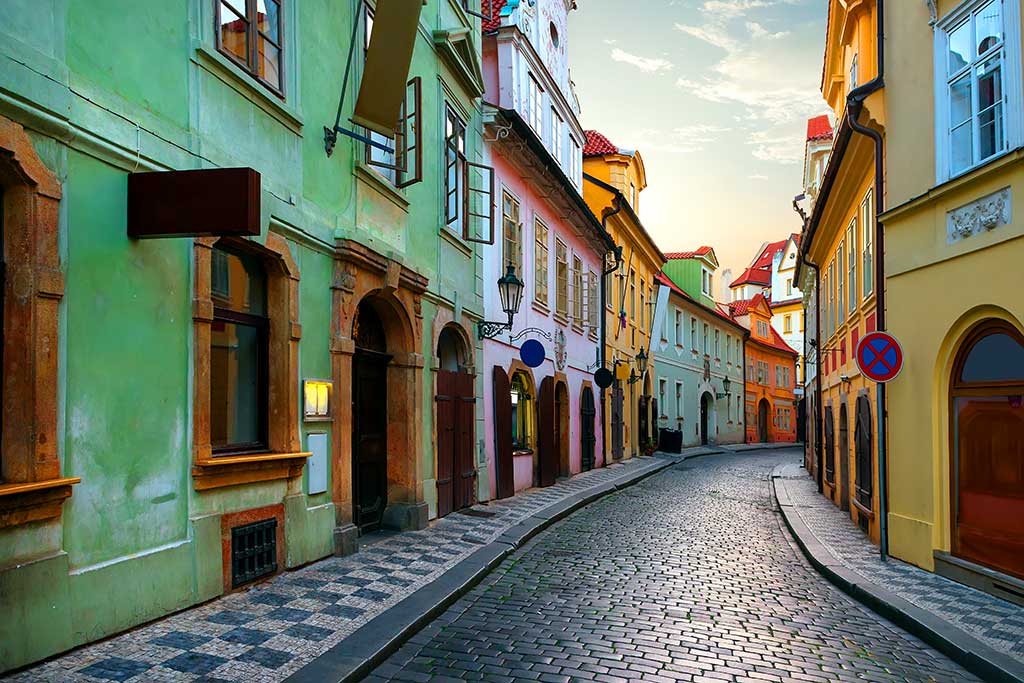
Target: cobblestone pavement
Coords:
[[995, 622], [268, 632], [687, 577]]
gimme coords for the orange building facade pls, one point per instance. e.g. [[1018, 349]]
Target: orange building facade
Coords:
[[770, 374]]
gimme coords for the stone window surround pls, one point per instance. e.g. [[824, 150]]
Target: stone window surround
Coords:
[[31, 486], [283, 459]]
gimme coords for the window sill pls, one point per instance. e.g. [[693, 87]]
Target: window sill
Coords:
[[33, 501], [451, 238], [870, 514], [561, 318], [234, 77], [232, 470], [381, 184], [541, 308]]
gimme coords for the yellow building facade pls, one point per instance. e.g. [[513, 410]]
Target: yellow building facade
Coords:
[[838, 244], [613, 179], [954, 276]]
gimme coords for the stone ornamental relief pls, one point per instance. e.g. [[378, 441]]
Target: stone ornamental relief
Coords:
[[980, 216]]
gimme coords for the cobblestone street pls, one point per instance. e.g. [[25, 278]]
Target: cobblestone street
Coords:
[[686, 577]]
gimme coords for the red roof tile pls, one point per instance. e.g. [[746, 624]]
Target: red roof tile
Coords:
[[779, 343], [717, 310], [739, 307], [819, 128], [598, 145], [494, 22], [700, 251], [753, 276]]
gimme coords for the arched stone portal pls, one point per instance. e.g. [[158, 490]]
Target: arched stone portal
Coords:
[[383, 290]]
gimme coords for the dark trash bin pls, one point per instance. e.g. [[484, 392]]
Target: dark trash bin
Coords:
[[670, 440]]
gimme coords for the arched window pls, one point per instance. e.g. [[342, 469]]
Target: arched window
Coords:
[[865, 478], [522, 414], [987, 435]]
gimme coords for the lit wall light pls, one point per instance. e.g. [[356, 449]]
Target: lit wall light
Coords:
[[317, 393]]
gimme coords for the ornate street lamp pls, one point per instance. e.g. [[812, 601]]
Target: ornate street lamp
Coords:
[[510, 291], [641, 366], [725, 387]]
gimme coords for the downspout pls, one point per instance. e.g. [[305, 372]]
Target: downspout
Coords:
[[605, 272], [854, 104], [819, 453]]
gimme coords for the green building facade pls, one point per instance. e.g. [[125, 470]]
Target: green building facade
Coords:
[[118, 503]]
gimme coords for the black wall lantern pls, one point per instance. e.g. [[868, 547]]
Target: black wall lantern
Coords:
[[726, 384], [641, 366], [510, 291]]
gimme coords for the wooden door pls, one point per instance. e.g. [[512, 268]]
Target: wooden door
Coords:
[[704, 419], [762, 421], [642, 404], [865, 479], [830, 453], [588, 439], [503, 466], [465, 466], [445, 401], [617, 426], [844, 459], [369, 438], [547, 428]]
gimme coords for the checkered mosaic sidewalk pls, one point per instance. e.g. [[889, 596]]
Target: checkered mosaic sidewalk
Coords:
[[997, 623], [268, 632]]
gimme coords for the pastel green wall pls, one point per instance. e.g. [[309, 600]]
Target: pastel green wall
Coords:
[[686, 274]]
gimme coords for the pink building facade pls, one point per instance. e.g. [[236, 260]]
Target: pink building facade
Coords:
[[542, 422]]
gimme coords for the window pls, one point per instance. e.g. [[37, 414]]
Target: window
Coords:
[[789, 286], [853, 71], [840, 289], [762, 329], [693, 333], [556, 136], [632, 295], [592, 304], [705, 338], [728, 349], [561, 278], [705, 281], [787, 324], [577, 291], [512, 231], [662, 389], [632, 194], [643, 306], [249, 32], [972, 107], [679, 400], [535, 106], [522, 414], [718, 353], [831, 298], [455, 170], [778, 375], [678, 331], [851, 265], [867, 222], [574, 162], [762, 372], [239, 366], [540, 261]]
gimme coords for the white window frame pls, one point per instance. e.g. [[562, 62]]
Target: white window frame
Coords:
[[535, 105], [678, 327], [867, 244], [556, 136], [1011, 67], [679, 400]]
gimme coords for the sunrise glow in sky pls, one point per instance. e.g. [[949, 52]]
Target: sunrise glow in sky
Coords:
[[716, 95]]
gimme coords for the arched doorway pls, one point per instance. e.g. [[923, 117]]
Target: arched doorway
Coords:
[[987, 448], [617, 424], [762, 420], [455, 405], [369, 419], [864, 479], [705, 418], [548, 436], [562, 428], [830, 453], [844, 459], [588, 439]]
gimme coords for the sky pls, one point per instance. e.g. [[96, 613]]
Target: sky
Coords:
[[715, 94]]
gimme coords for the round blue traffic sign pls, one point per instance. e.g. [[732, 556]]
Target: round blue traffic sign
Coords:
[[879, 356], [532, 353]]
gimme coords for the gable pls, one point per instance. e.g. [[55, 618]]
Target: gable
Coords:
[[457, 51]]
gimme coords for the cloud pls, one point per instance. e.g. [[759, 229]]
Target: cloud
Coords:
[[770, 146], [680, 140], [758, 176], [710, 33], [730, 9], [698, 133], [648, 64], [758, 31], [609, 41]]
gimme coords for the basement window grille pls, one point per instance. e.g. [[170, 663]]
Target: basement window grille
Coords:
[[253, 551]]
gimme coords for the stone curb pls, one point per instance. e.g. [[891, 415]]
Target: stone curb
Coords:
[[980, 659], [373, 642]]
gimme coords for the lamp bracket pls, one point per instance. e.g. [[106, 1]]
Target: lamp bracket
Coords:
[[488, 329]]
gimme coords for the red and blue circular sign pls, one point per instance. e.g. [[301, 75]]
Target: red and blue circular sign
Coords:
[[879, 356]]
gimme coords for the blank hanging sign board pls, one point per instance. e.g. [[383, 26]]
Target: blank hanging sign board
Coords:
[[386, 72]]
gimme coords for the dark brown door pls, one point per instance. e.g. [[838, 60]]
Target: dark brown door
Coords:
[[617, 426], [830, 453], [865, 479], [588, 415], [445, 401], [705, 418], [465, 467], [762, 421], [642, 404], [844, 459], [369, 438], [503, 433], [547, 437]]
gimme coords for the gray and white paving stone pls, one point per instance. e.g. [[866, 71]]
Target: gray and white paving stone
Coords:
[[689, 576]]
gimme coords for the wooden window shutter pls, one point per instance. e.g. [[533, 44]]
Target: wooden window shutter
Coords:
[[408, 135], [502, 391], [478, 221]]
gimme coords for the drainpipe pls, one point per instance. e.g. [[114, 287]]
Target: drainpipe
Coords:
[[605, 215], [819, 454], [854, 104]]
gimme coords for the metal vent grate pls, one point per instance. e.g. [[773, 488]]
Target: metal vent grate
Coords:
[[253, 551]]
